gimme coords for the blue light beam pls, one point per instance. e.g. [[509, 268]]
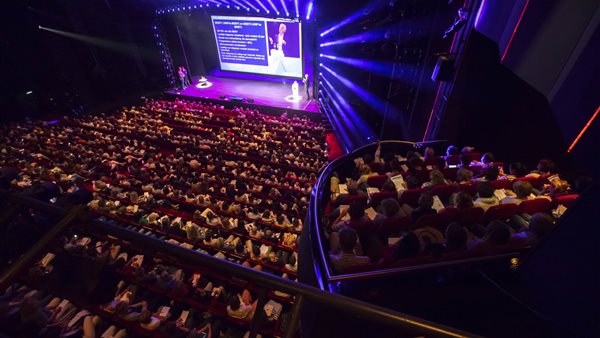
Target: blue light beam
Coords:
[[287, 13], [263, 6], [373, 101], [273, 6], [309, 10], [355, 16]]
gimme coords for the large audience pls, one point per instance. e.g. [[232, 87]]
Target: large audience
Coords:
[[405, 209], [231, 183]]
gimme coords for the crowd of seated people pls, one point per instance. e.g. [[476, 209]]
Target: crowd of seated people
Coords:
[[153, 295], [231, 183], [237, 189], [396, 210]]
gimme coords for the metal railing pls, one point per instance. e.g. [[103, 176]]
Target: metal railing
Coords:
[[372, 314]]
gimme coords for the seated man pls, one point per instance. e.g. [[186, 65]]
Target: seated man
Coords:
[[539, 226], [424, 208], [347, 258], [522, 191], [497, 233]]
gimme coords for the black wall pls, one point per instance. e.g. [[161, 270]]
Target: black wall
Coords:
[[112, 56]]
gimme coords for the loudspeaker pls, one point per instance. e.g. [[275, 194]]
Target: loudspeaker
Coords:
[[222, 97], [250, 100], [236, 98], [444, 68]]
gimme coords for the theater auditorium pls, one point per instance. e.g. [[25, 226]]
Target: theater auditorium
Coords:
[[299, 168]]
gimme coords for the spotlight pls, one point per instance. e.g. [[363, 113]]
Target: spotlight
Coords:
[[320, 64], [321, 55]]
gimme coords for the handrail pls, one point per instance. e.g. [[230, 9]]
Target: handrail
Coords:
[[345, 304], [317, 192]]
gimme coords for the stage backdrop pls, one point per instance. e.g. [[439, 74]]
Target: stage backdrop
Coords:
[[259, 45]]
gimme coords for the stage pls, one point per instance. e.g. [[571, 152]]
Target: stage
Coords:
[[264, 93]]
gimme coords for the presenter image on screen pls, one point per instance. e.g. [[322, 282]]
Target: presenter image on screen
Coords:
[[277, 50]]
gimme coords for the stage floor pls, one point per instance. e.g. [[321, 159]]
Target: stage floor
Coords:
[[264, 93]]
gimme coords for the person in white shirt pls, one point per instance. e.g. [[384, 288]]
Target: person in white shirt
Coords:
[[486, 198]]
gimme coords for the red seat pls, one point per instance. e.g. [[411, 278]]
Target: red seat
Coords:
[[394, 226], [536, 182], [501, 212], [470, 189], [351, 198], [444, 191], [439, 221], [410, 197], [475, 156], [566, 200], [450, 173], [377, 181], [376, 198], [535, 205], [470, 215], [453, 159], [502, 184]]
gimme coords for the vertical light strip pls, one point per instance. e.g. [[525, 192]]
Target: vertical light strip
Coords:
[[263, 6], [587, 125], [431, 113], [309, 10], [514, 31], [273, 5], [296, 7], [287, 13], [478, 16]]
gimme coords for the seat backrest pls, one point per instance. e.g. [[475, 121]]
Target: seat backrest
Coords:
[[502, 184], [470, 215], [534, 205], [444, 191], [351, 198], [500, 212], [411, 196], [377, 181], [566, 200], [394, 226], [376, 198], [470, 189]]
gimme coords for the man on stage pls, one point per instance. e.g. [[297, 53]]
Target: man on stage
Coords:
[[306, 86]]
